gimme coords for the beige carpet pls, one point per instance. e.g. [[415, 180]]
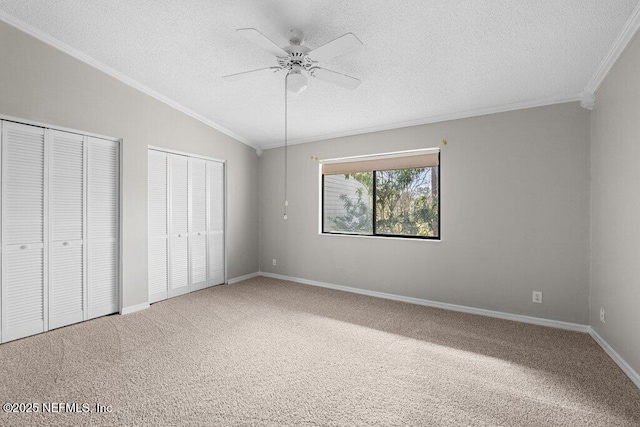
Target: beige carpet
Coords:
[[268, 352]]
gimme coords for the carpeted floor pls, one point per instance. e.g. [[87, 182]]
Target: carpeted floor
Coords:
[[268, 352]]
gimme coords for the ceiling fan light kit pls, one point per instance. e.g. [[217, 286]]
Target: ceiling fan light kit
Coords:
[[296, 82], [299, 61]]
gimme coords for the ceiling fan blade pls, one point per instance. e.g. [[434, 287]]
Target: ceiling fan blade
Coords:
[[261, 40], [329, 76], [250, 74], [339, 46]]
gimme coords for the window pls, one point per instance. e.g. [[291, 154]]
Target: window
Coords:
[[392, 195]]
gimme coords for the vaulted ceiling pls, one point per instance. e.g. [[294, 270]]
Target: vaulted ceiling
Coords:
[[421, 59]]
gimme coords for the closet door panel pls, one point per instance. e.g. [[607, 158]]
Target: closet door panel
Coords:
[[23, 178], [23, 228], [216, 223], [216, 190], [216, 264], [66, 207], [179, 266], [66, 186], [198, 234], [103, 279], [103, 227], [66, 284], [158, 266], [179, 233], [158, 262], [24, 308], [179, 194], [198, 262], [199, 195]]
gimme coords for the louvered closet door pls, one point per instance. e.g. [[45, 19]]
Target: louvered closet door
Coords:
[[103, 226], [158, 263], [179, 233], [66, 208], [216, 223], [198, 232], [23, 229]]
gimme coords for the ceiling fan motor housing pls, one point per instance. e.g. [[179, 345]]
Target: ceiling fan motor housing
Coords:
[[297, 57]]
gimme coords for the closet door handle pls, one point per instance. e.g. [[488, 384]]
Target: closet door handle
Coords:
[[24, 247], [65, 243]]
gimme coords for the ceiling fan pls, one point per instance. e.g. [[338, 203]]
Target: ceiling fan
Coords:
[[299, 61]]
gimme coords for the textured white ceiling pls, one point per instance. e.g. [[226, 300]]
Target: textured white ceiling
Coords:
[[421, 58]]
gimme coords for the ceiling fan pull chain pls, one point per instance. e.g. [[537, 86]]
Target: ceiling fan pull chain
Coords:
[[286, 202]]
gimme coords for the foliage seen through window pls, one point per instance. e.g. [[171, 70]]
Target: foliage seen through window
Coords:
[[406, 203]]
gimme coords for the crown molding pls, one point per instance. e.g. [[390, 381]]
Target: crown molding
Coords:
[[588, 101], [439, 118], [627, 33], [51, 41], [586, 98]]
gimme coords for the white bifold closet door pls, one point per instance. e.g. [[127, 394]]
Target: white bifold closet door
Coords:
[[216, 261], [179, 225], [158, 265], [198, 231], [186, 214], [103, 227], [67, 295], [60, 229], [24, 287]]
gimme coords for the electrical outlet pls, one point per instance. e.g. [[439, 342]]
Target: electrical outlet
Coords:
[[273, 262], [537, 297], [603, 316]]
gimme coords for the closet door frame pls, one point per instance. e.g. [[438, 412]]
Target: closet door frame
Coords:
[[225, 196], [120, 142]]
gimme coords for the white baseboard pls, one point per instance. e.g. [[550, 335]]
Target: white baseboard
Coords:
[[626, 368], [241, 278], [134, 308], [145, 305], [454, 307]]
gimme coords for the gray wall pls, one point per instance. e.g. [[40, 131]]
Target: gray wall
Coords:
[[515, 216], [615, 207], [38, 82], [515, 195]]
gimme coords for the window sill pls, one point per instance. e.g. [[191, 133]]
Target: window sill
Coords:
[[410, 239]]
